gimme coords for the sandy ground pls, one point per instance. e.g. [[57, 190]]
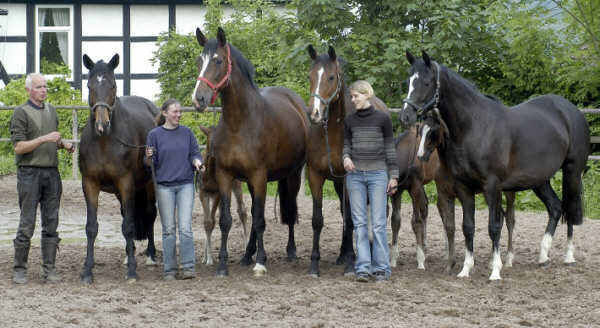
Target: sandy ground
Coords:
[[528, 296]]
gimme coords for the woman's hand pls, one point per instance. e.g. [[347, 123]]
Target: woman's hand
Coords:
[[149, 151], [348, 165], [198, 165], [392, 186]]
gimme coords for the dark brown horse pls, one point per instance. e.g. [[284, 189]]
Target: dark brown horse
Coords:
[[419, 164], [491, 148], [262, 136], [208, 191], [110, 160], [330, 104]]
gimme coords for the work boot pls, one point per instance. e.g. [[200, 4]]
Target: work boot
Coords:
[[49, 247], [20, 262]]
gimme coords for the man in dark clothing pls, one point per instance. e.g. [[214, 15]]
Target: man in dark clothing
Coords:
[[35, 136]]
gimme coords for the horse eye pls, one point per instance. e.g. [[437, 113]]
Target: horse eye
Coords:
[[219, 61], [331, 78]]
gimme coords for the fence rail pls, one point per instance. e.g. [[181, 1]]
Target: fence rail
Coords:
[[75, 124]]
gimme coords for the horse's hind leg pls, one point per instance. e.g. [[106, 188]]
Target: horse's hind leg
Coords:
[[572, 205], [90, 190], [288, 191], [510, 225], [150, 215], [241, 208], [553, 205], [396, 223], [347, 254]]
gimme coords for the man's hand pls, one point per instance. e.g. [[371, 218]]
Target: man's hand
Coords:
[[348, 165], [52, 137]]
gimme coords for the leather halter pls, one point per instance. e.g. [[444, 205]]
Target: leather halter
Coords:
[[225, 79], [433, 102], [110, 109]]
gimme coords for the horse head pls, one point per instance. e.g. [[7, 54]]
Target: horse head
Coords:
[[102, 92], [423, 88], [434, 133], [325, 83], [214, 69]]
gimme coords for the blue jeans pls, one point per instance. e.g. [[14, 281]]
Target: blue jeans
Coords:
[[182, 198], [374, 184]]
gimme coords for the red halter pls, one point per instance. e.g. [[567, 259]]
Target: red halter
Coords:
[[225, 78]]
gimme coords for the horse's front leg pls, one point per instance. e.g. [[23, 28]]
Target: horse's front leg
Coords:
[[493, 197], [224, 179], [90, 190], [445, 205], [241, 208], [209, 224], [347, 253], [151, 212], [126, 190], [419, 202], [259, 187], [315, 181], [467, 199], [396, 222]]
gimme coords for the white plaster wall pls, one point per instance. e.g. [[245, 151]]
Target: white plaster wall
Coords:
[[101, 20], [13, 57], [85, 92], [188, 17], [149, 89], [104, 50], [149, 20], [15, 23], [141, 53]]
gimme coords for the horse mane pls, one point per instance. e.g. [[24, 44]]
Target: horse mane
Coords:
[[243, 64]]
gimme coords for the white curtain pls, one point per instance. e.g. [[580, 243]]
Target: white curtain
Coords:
[[61, 18]]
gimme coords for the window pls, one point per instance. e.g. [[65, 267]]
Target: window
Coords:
[[54, 41]]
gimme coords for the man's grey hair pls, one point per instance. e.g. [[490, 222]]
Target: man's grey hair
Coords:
[[29, 77]]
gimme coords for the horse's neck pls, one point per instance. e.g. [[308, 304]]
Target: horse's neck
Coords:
[[242, 106], [337, 113], [460, 106]]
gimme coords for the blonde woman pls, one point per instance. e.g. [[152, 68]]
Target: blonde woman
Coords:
[[370, 160]]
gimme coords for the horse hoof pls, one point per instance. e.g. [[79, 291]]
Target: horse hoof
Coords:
[[544, 264], [340, 260], [88, 280], [245, 261], [259, 270], [150, 261], [349, 274], [222, 273], [570, 264], [131, 279], [292, 258]]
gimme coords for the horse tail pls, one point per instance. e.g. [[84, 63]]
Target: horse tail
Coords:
[[144, 213], [572, 203]]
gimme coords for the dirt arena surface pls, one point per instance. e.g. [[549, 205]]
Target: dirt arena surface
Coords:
[[528, 296]]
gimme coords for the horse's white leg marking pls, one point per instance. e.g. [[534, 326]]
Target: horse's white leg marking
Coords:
[[496, 266], [395, 251], [421, 151], [420, 258], [509, 259], [569, 258], [467, 265], [259, 270], [545, 248]]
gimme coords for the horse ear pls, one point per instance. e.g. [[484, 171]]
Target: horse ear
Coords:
[[88, 62], [331, 53], [204, 130], [221, 37], [410, 57], [200, 37], [114, 62], [312, 52], [426, 59]]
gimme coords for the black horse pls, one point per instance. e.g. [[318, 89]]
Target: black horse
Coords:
[[262, 136], [110, 160], [490, 148]]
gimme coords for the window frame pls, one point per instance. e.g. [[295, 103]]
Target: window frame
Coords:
[[70, 39]]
